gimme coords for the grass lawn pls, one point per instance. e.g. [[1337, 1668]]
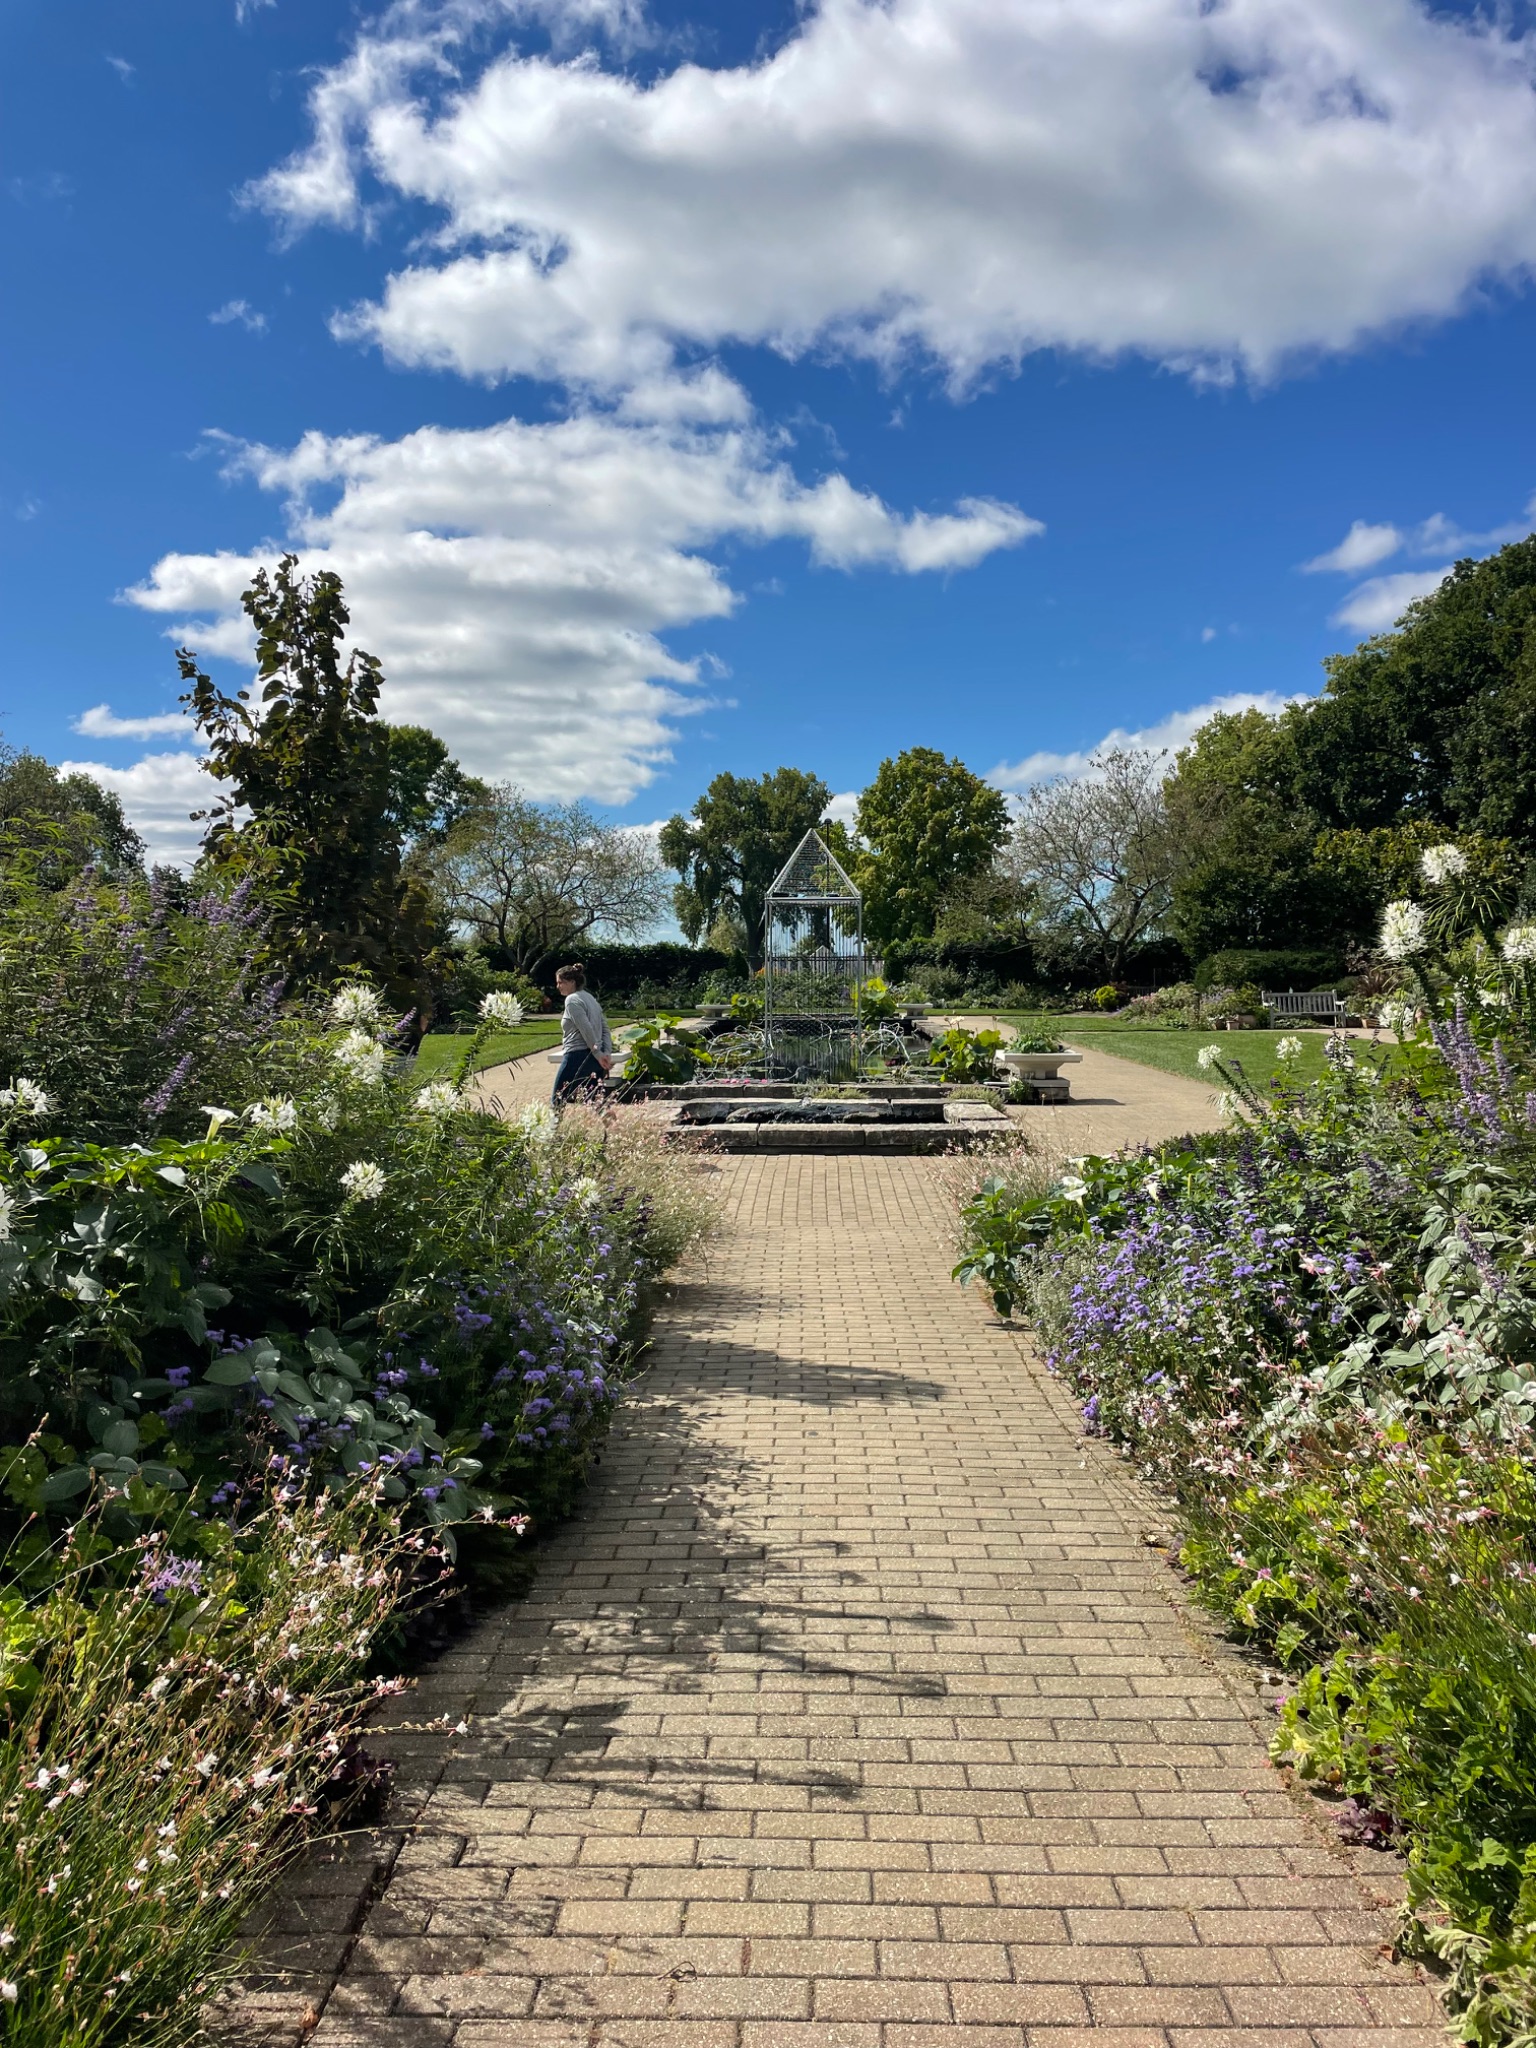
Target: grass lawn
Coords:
[[1177, 1052], [439, 1050]]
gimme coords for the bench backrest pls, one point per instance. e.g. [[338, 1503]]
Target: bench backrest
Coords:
[[1308, 1003]]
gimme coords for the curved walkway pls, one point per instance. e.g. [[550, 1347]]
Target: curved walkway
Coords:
[[855, 1710]]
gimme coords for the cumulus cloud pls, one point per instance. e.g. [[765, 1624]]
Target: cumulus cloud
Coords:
[[1361, 548], [1170, 733], [516, 580], [102, 723], [159, 794], [966, 180], [1376, 605]]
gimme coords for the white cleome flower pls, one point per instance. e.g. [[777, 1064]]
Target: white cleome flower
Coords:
[[1208, 1055], [355, 1004], [501, 1007], [25, 1097], [1403, 930], [1518, 946], [439, 1098], [1288, 1049], [538, 1123], [7, 1214], [1396, 1017], [364, 1181], [360, 1058], [1441, 863], [586, 1191], [274, 1113]]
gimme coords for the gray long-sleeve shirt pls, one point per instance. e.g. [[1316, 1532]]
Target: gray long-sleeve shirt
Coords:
[[583, 1027]]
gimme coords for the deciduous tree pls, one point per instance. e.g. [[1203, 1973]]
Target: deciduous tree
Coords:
[[533, 879], [308, 762], [925, 824], [1100, 856], [740, 835]]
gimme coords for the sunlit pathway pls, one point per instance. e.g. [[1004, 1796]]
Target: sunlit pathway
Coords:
[[854, 1712]]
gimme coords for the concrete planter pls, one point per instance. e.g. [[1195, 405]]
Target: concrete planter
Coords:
[[1036, 1066]]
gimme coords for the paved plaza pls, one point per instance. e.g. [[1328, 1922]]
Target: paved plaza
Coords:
[[854, 1710]]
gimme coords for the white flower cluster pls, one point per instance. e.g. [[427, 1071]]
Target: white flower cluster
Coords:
[[358, 1006], [274, 1113], [7, 1215], [1397, 1017], [538, 1123], [1208, 1055], [1442, 863], [439, 1098], [1404, 931], [1288, 1049], [364, 1181], [1518, 945], [501, 1007], [360, 1058], [586, 1191], [25, 1097]]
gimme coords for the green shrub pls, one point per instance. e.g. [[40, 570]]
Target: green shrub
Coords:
[[1275, 967]]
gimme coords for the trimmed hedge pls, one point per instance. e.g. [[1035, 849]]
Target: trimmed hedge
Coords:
[[1278, 967], [615, 971]]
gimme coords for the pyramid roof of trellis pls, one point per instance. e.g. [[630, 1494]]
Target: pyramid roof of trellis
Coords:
[[811, 876]]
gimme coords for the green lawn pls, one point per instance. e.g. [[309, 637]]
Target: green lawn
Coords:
[[441, 1049], [1177, 1052]]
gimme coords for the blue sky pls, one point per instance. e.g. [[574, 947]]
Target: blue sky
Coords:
[[696, 387]]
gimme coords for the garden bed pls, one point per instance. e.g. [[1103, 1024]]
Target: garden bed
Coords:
[[1314, 1331]]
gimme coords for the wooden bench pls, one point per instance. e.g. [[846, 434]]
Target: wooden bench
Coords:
[[1311, 1006]]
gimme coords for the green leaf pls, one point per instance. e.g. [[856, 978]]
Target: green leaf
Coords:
[[164, 1475], [261, 1177], [232, 1370], [64, 1484], [121, 1438]]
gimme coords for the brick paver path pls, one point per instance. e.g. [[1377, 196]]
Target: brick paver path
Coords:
[[853, 1712]]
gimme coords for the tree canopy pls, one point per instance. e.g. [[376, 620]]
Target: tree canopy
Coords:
[[309, 762], [924, 824], [533, 879], [62, 823], [1099, 854], [741, 833]]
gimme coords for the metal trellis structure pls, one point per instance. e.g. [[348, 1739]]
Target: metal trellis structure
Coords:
[[813, 963]]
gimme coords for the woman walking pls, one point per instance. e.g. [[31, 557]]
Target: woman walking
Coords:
[[585, 1044]]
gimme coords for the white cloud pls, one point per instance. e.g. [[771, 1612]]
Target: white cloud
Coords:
[[123, 69], [1361, 548], [1170, 733], [242, 311], [244, 9], [1376, 606], [967, 179], [516, 580], [159, 794], [102, 723]]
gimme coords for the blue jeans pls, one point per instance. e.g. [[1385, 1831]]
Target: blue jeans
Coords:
[[577, 1075]]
